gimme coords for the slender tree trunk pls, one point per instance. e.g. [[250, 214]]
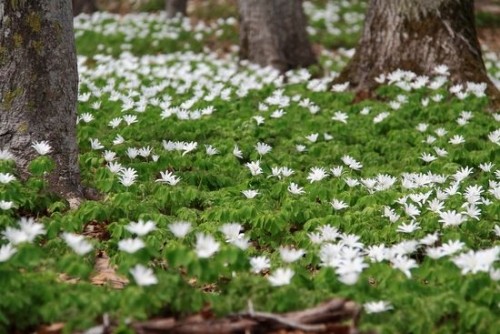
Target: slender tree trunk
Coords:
[[273, 33], [175, 7], [84, 6], [39, 86], [417, 36]]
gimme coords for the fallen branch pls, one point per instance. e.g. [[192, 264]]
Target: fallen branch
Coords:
[[334, 316]]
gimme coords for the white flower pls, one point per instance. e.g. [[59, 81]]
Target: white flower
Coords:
[[132, 152], [42, 147], [143, 276], [293, 188], [422, 127], [381, 78], [411, 210], [206, 245], [118, 140], [259, 264], [189, 147], [141, 227], [377, 253], [115, 167], [496, 230], [130, 119], [479, 261], [494, 136], [409, 227], [6, 252], [278, 113], [109, 155], [300, 148], [86, 117], [377, 307], [316, 174], [232, 232], [145, 151], [365, 111], [442, 70], [329, 233], [340, 87], [351, 162], [315, 237], [131, 245], [27, 232], [95, 144], [391, 214], [263, 148], [254, 167], [237, 152], [77, 242], [351, 182], [380, 117], [338, 204], [168, 178], [337, 171], [456, 139], [180, 228], [495, 274], [127, 176], [15, 236], [429, 140], [440, 151], [404, 264], [313, 137], [259, 120], [31, 228], [486, 167], [115, 122], [210, 150], [6, 155], [340, 117], [6, 178], [6, 205], [290, 255], [282, 276], [427, 157], [451, 218], [440, 132], [250, 193]]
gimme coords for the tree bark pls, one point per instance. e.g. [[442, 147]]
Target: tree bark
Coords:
[[417, 36], [273, 33], [84, 6], [39, 86], [175, 7]]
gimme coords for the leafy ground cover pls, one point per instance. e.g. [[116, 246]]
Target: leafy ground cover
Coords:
[[223, 183]]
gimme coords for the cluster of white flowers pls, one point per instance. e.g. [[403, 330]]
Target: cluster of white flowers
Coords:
[[196, 79]]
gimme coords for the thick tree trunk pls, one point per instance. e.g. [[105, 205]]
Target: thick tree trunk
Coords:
[[417, 36], [84, 6], [175, 7], [273, 33], [39, 86]]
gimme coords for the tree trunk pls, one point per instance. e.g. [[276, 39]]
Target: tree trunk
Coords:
[[39, 86], [417, 36], [175, 7], [84, 6], [273, 33]]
